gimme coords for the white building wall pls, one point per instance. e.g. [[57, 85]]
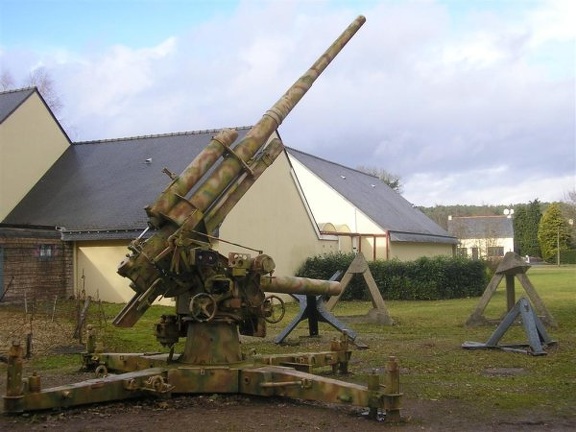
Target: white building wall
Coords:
[[272, 217], [328, 206], [482, 244], [95, 272]]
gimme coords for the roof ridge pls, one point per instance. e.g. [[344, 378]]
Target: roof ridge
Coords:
[[330, 162], [17, 90], [161, 135], [480, 216]]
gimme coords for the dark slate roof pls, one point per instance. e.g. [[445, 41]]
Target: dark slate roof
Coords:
[[10, 100], [98, 189], [474, 227], [105, 185], [377, 200]]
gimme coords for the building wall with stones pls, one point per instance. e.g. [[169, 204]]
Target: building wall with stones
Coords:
[[34, 266]]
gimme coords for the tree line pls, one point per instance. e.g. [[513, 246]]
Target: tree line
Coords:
[[540, 229]]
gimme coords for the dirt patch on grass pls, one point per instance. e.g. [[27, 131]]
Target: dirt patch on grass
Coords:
[[41, 329], [505, 372], [243, 413]]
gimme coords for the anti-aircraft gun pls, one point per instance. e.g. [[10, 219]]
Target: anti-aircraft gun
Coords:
[[217, 297]]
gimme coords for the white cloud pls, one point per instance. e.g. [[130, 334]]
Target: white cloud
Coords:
[[553, 21], [421, 92], [106, 86], [494, 185]]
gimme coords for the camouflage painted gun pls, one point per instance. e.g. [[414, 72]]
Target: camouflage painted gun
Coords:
[[178, 260], [217, 297]]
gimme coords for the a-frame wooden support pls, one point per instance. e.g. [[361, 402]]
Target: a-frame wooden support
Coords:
[[511, 266], [359, 265]]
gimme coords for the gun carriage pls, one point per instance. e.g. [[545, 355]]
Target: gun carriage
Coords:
[[217, 298]]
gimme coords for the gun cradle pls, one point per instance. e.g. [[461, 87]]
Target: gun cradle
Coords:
[[217, 297]]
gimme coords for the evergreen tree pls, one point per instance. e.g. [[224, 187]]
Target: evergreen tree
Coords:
[[530, 237], [570, 213], [553, 232], [520, 229]]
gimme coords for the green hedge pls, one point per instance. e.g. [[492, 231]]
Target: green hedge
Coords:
[[568, 256], [424, 279]]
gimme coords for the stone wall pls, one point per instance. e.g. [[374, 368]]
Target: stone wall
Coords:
[[35, 265]]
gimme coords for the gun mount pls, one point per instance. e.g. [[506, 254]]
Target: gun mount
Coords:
[[217, 297]]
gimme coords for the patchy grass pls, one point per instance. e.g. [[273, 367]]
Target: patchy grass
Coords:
[[426, 338]]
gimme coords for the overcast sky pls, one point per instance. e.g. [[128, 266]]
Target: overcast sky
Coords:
[[469, 102]]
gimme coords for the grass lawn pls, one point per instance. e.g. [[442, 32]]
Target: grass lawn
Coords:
[[426, 339]]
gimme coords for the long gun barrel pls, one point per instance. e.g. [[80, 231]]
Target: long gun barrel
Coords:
[[214, 190], [299, 285], [254, 140]]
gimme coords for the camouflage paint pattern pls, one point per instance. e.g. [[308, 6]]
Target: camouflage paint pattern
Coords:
[[215, 216], [284, 375], [182, 184], [299, 285], [181, 222]]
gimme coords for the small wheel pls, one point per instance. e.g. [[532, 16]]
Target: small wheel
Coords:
[[203, 307], [274, 309], [101, 371], [157, 382]]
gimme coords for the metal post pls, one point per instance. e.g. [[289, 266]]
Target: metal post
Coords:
[[14, 387], [558, 247], [373, 388]]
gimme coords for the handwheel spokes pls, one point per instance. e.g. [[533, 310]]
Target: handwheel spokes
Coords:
[[203, 307], [274, 309]]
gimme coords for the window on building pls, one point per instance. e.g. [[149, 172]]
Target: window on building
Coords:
[[475, 254], [497, 251], [45, 252], [462, 252]]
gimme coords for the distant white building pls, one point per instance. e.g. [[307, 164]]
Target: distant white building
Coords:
[[482, 236]]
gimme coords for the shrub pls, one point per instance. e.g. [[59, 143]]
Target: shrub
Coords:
[[423, 279], [568, 256]]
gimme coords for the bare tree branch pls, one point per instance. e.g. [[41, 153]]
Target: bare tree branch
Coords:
[[384, 176], [41, 79], [6, 80]]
